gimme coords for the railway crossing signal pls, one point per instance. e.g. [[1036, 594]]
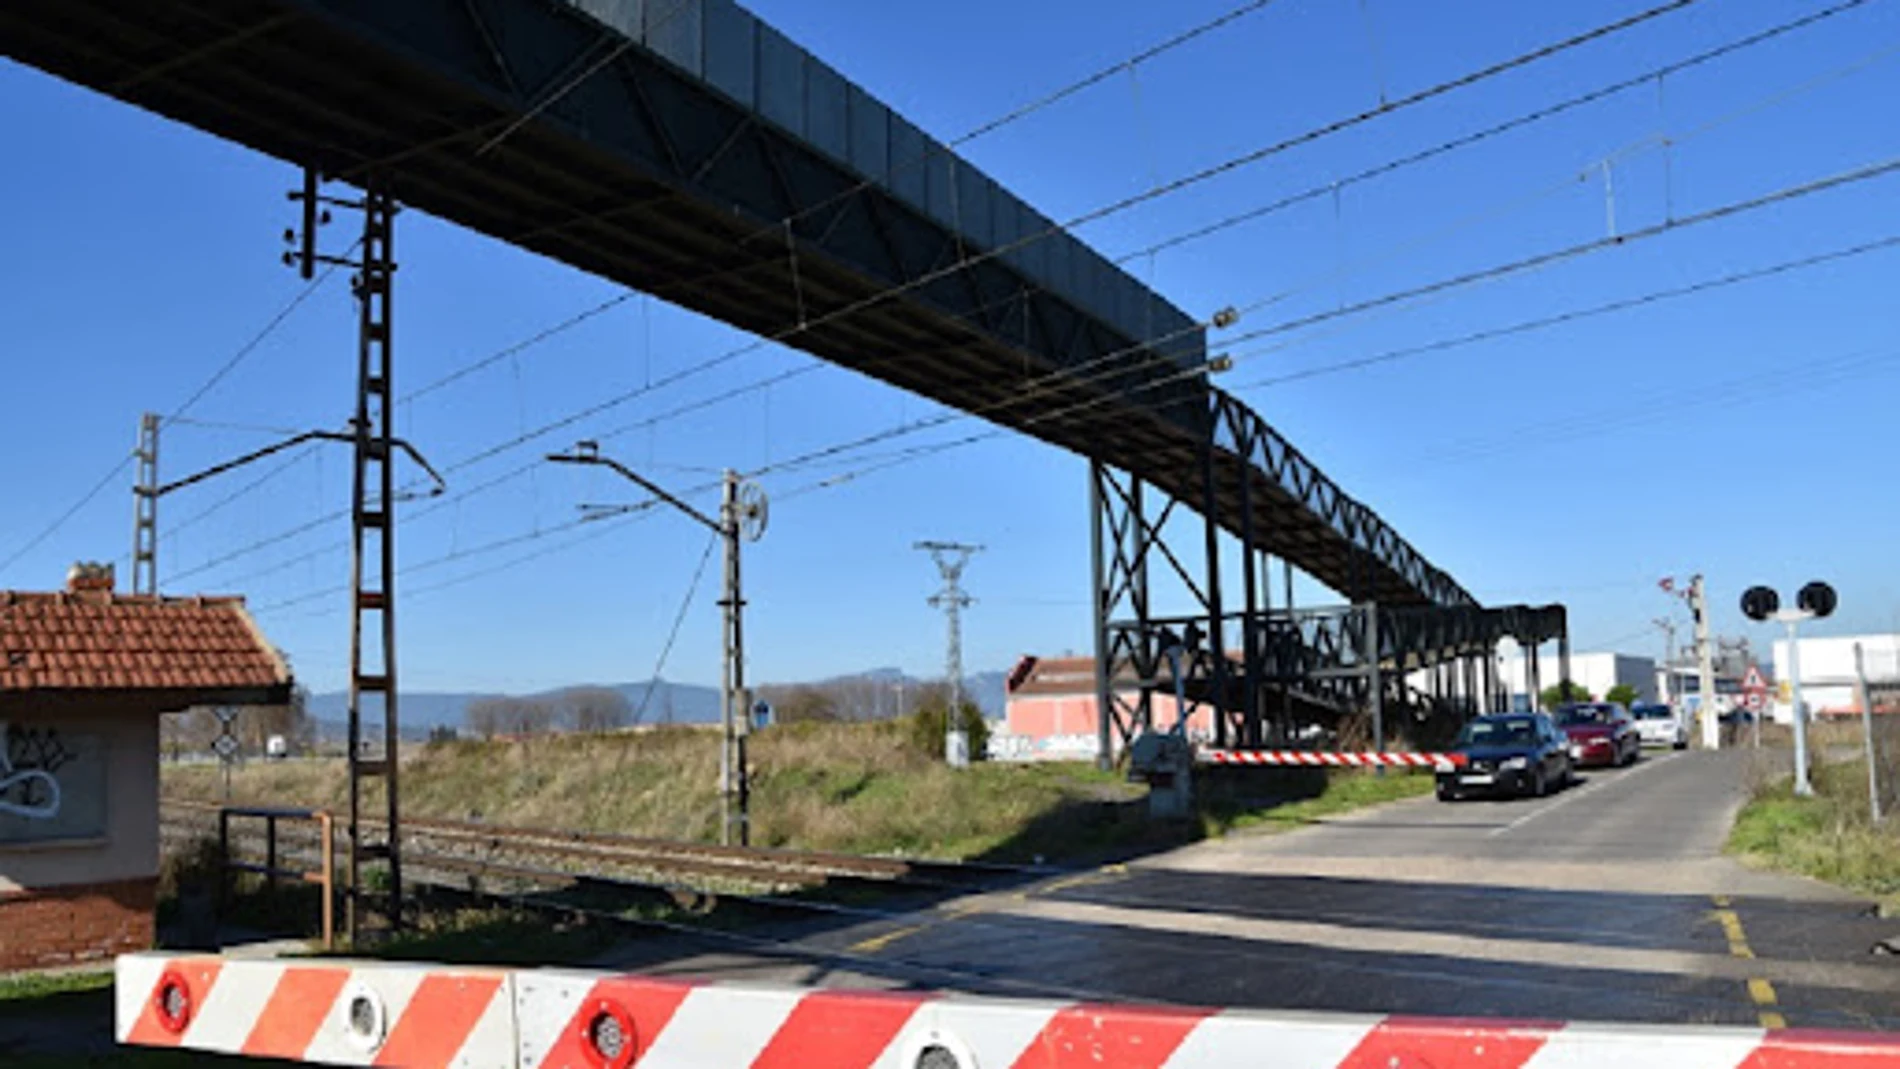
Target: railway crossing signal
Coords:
[[1814, 601]]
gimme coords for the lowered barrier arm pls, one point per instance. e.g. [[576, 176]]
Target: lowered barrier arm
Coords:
[[424, 1016]]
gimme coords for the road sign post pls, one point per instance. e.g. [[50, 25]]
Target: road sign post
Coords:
[[1755, 700]]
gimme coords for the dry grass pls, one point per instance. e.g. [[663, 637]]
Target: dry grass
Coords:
[[861, 788], [1831, 835]]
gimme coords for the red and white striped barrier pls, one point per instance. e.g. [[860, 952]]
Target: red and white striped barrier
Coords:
[[325, 1012], [362, 1013], [1332, 759]]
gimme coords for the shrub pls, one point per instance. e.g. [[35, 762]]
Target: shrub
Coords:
[[925, 729]]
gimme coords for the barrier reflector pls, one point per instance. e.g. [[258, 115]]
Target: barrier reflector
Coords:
[[375, 1013]]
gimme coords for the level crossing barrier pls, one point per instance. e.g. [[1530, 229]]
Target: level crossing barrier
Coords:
[[386, 1013], [1331, 759]]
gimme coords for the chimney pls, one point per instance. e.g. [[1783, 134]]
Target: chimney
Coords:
[[89, 576]]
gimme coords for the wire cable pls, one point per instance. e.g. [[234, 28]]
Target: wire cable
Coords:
[[224, 370], [84, 499], [1546, 259], [672, 636], [775, 228], [971, 259], [1415, 98], [1477, 137], [1545, 322]]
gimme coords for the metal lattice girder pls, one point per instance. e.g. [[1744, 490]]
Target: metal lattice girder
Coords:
[[1332, 536], [668, 156], [1319, 658]]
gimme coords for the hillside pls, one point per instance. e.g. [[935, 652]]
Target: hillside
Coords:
[[685, 703]]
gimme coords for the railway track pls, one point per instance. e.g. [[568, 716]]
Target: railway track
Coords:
[[476, 848]]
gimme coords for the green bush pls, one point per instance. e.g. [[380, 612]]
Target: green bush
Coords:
[[924, 729]]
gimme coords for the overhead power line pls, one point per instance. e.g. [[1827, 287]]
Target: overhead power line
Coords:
[[1530, 118], [1114, 208], [775, 229], [672, 636], [84, 499], [243, 353], [1545, 322], [1124, 204], [1546, 259]]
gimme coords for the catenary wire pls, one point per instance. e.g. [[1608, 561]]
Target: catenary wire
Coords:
[[672, 636], [224, 370], [1476, 137], [1177, 184], [1544, 322], [1837, 180]]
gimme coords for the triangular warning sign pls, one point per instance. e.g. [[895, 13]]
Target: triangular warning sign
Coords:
[[1753, 680]]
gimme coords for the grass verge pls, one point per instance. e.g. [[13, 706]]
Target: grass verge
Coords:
[[1829, 836]]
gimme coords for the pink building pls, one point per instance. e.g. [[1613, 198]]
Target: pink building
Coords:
[[1052, 713]]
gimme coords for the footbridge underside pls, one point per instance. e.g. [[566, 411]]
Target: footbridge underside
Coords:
[[690, 150]]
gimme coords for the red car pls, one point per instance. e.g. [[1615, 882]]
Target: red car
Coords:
[[1601, 733]]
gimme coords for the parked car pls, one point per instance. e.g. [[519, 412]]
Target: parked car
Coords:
[[1601, 733], [1509, 753], [1658, 725]]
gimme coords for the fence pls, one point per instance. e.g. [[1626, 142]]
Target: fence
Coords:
[[324, 877]]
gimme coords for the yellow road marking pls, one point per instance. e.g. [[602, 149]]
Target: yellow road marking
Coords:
[[1106, 872], [965, 908], [1732, 928], [1760, 991], [879, 942]]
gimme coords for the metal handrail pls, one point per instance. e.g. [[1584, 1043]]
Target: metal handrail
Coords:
[[325, 878]]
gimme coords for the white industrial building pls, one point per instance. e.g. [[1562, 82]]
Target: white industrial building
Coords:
[[1828, 685], [1597, 673]]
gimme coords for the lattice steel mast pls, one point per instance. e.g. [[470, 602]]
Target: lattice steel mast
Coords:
[[951, 558], [145, 509]]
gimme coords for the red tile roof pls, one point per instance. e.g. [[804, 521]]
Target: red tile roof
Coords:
[[98, 641]]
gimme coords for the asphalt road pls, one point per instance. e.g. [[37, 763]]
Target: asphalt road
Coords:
[[1608, 901]]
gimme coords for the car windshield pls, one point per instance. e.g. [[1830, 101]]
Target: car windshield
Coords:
[[1583, 714], [1518, 731], [1652, 712]]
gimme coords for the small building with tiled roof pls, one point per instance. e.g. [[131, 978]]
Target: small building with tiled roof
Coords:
[[85, 674]]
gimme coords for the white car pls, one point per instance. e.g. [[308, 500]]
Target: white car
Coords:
[[1658, 725]]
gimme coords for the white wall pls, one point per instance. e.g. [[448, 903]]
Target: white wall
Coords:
[[1597, 672], [1827, 671]]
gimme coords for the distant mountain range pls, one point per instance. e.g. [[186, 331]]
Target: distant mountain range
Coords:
[[679, 703]]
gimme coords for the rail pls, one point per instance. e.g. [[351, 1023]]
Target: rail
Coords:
[[324, 876]]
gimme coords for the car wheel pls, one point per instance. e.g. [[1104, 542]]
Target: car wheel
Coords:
[[1446, 794], [1682, 744], [1538, 785]]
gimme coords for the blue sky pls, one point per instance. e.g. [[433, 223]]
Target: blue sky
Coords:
[[1745, 432]]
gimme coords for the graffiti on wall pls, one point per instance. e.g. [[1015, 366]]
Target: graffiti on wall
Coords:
[[30, 760], [52, 784]]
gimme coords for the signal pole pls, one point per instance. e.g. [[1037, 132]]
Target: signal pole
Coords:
[[950, 558], [742, 516], [1705, 658]]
